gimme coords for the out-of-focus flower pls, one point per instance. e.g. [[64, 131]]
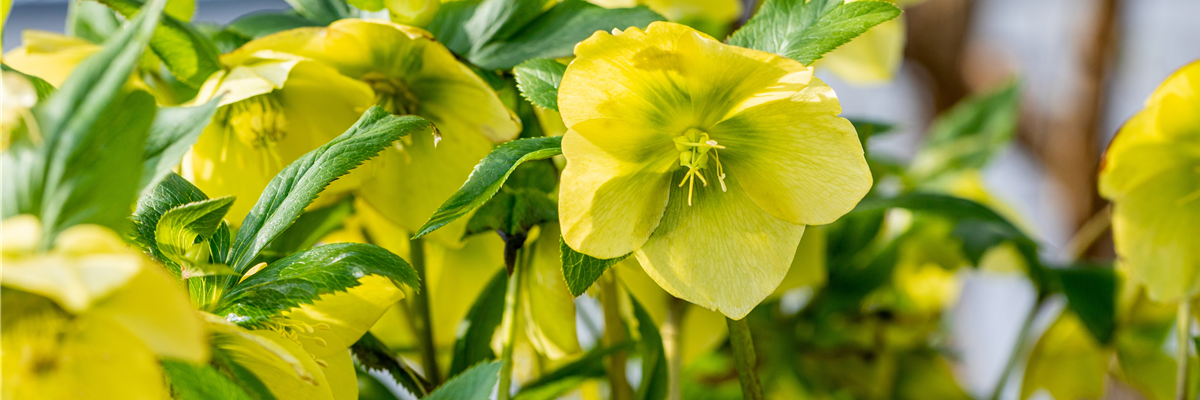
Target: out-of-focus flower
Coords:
[[705, 160], [1151, 172], [410, 73], [50, 56], [89, 318], [19, 96], [873, 57], [714, 17], [275, 108]]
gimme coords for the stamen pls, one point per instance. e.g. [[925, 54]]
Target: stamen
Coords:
[[694, 147]]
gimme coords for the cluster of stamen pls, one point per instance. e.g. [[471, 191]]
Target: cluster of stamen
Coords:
[[294, 330], [258, 121], [694, 148], [391, 94]]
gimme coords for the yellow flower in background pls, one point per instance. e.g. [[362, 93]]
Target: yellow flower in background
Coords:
[[1151, 173], [871, 58], [275, 108], [713, 17], [410, 73], [706, 160], [90, 318], [48, 55]]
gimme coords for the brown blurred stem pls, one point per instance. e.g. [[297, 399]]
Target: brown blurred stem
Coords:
[[424, 320], [744, 358]]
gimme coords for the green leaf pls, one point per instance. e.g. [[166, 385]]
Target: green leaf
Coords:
[[539, 80], [567, 377], [868, 129], [91, 21], [321, 11], [173, 132], [286, 196], [555, 33], [200, 382], [581, 270], [474, 344], [239, 375], [449, 25], [370, 388], [654, 361], [173, 191], [182, 234], [43, 88], [970, 134], [303, 277], [310, 228], [257, 25], [514, 212], [372, 354], [489, 176], [476, 383], [190, 56], [499, 19], [1092, 294], [805, 30]]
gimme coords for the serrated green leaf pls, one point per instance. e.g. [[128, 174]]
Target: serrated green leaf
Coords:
[[321, 11], [449, 25], [372, 354], [173, 191], [804, 30], [257, 25], [370, 388], [970, 134], [1092, 294], [499, 19], [190, 56], [309, 228], [476, 383], [554, 33], [489, 176], [581, 270], [474, 344], [539, 79], [200, 382], [286, 196], [567, 377], [654, 361], [173, 132], [91, 21], [182, 234], [303, 277]]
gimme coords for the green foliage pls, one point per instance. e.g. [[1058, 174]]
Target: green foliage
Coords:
[[476, 383], [370, 388], [373, 355], [294, 188], [309, 228], [500, 34], [567, 377], [173, 132], [200, 382], [474, 344], [367, 5], [323, 12], [654, 359], [581, 270], [257, 25], [173, 191], [970, 134], [489, 176], [183, 232], [1092, 294], [189, 56], [43, 88], [513, 212], [91, 21], [539, 80], [303, 277], [804, 30]]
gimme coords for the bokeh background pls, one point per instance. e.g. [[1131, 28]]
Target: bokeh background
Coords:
[[1085, 66]]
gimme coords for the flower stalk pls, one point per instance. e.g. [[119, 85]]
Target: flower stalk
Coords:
[[516, 260], [744, 358], [1183, 328], [672, 332], [615, 335], [424, 320]]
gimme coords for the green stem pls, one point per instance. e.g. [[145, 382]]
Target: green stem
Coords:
[[511, 308], [424, 321], [672, 343], [614, 334], [1183, 325], [745, 359], [1018, 349]]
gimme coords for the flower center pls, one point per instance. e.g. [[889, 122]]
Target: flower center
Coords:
[[258, 121], [391, 94], [694, 148]]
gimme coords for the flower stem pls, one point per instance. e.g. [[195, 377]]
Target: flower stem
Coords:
[[614, 334], [1018, 349], [672, 344], [511, 310], [424, 320], [745, 359], [1183, 325]]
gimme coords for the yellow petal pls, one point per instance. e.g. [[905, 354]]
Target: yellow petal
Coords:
[[1067, 362], [871, 58], [795, 158], [340, 319], [549, 307], [155, 309], [19, 235], [723, 252], [75, 283], [49, 55], [281, 364], [343, 380]]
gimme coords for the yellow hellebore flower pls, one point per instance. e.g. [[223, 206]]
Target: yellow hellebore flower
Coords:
[[410, 73], [275, 108], [706, 160], [89, 318], [50, 56], [1151, 173], [873, 57]]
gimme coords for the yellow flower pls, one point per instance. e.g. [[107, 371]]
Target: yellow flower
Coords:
[[410, 73], [705, 160], [50, 56], [275, 108], [714, 17], [17, 98], [1151, 173], [89, 318]]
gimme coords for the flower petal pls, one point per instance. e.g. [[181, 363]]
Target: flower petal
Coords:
[[871, 58], [549, 307], [608, 207], [341, 318], [50, 56], [154, 309], [795, 158], [723, 252]]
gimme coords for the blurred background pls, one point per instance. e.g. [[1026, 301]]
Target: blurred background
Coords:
[[1085, 66]]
